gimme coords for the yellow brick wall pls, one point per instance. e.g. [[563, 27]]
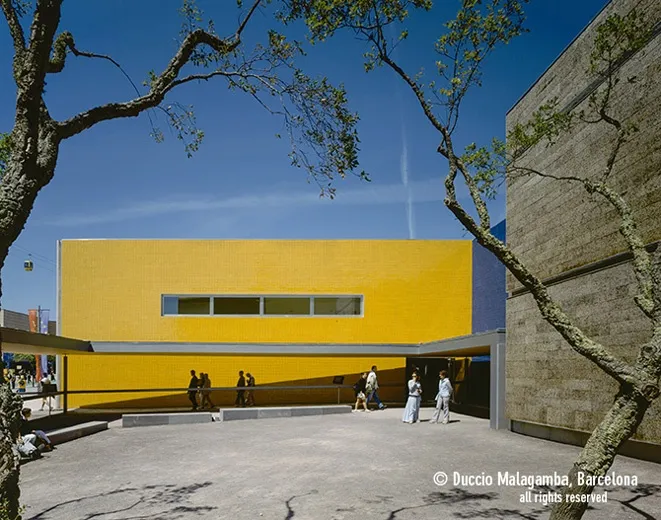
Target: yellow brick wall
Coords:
[[115, 371], [414, 291]]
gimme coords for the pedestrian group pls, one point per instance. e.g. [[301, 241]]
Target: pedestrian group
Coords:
[[412, 410], [201, 386], [366, 390]]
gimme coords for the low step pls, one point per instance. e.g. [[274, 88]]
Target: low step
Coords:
[[238, 414], [158, 419], [76, 432]]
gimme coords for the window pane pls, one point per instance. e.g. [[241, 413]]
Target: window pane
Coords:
[[234, 305], [170, 305], [337, 306], [194, 305], [287, 306]]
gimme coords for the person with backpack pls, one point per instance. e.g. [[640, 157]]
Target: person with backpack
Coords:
[[359, 389]]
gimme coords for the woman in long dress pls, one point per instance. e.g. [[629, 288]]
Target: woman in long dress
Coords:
[[412, 410]]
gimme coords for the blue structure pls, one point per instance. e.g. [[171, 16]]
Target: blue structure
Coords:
[[489, 291]]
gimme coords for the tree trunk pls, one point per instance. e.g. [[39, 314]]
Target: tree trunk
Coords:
[[619, 424], [21, 182], [10, 410]]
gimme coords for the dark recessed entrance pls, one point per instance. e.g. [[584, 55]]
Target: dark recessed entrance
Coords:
[[470, 378]]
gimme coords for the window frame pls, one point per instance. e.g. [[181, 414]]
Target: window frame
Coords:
[[359, 297], [260, 304], [261, 314]]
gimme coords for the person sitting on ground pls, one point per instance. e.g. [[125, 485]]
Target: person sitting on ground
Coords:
[[36, 437], [26, 448], [359, 389]]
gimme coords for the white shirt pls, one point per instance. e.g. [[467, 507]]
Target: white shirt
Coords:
[[444, 388], [371, 381]]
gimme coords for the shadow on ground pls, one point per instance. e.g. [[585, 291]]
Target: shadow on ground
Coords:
[[57, 421], [171, 502], [637, 493], [154, 502], [476, 505], [451, 497]]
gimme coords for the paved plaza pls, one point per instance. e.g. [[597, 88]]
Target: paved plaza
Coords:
[[335, 467]]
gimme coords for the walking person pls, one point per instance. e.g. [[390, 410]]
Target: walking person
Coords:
[[205, 384], [359, 389], [22, 384], [372, 389], [240, 394], [43, 385], [250, 382], [412, 411], [442, 399], [192, 389]]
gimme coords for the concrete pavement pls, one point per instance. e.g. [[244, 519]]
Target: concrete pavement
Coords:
[[334, 467]]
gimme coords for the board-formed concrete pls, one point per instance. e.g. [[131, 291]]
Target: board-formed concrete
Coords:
[[238, 414], [563, 234], [75, 432], [159, 419]]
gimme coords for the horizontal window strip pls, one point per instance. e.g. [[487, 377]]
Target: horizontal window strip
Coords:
[[262, 305]]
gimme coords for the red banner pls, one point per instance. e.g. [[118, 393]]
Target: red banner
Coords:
[[33, 318]]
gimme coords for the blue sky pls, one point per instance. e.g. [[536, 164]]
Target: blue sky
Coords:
[[114, 181]]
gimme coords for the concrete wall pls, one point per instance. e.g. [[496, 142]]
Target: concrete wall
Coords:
[[555, 227], [489, 293], [14, 320]]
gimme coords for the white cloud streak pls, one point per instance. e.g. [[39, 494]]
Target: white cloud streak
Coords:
[[404, 166], [404, 159], [365, 195]]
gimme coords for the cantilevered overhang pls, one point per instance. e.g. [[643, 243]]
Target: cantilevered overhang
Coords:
[[24, 342], [473, 345], [470, 345]]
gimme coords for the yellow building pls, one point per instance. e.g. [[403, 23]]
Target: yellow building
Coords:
[[291, 312]]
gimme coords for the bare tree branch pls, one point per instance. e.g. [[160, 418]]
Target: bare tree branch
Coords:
[[642, 261], [42, 31], [155, 96], [244, 23], [208, 76], [14, 23], [549, 309], [160, 85], [66, 41]]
